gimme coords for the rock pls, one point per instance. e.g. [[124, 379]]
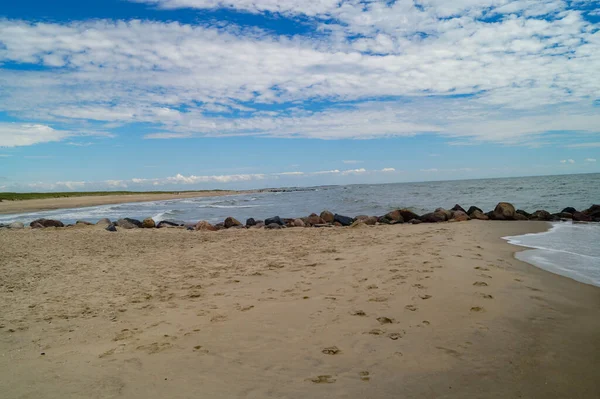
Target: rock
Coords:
[[274, 219], [473, 209], [126, 224], [148, 223], [581, 217], [565, 215], [258, 225], [47, 223], [522, 212], [103, 221], [314, 219], [415, 221], [477, 214], [16, 225], [111, 227], [299, 223], [447, 214], [541, 215], [458, 208], [220, 226], [518, 216], [338, 224], [170, 223], [327, 217], [569, 209], [273, 226], [250, 222], [407, 214], [460, 216], [135, 222], [434, 217], [36, 225], [343, 220], [593, 211], [83, 222], [504, 211], [359, 224], [384, 220], [368, 220], [231, 222], [395, 216], [205, 226], [323, 225]]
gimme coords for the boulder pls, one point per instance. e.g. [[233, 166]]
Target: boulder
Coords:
[[368, 220], [125, 224], [407, 214], [460, 216], [518, 216], [135, 222], [103, 221], [231, 222], [250, 222], [359, 224], [83, 222], [569, 209], [170, 223], [16, 225], [541, 215], [415, 221], [327, 217], [477, 214], [384, 220], [273, 226], [274, 219], [581, 217], [593, 211], [433, 217], [447, 214], [395, 216], [504, 211], [47, 223], [524, 213], [205, 226], [343, 220], [458, 208], [565, 215], [299, 223], [36, 225], [314, 219], [473, 209], [111, 227], [148, 223], [258, 225]]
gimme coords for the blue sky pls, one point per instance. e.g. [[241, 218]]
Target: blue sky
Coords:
[[198, 94]]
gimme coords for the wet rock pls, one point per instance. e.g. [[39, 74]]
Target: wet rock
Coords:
[[126, 224], [250, 222], [327, 217], [231, 222], [541, 215], [299, 223], [569, 209], [473, 209], [433, 217], [136, 222], [503, 211], [384, 220], [593, 212], [103, 221], [36, 225], [16, 226], [205, 226], [273, 226], [111, 227], [458, 208], [447, 214], [395, 216], [170, 223], [518, 216], [581, 217], [274, 219], [407, 214], [343, 220], [415, 221], [148, 223], [524, 213], [47, 223], [460, 216], [477, 214], [564, 215]]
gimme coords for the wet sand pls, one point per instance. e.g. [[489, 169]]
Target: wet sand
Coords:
[[425, 311], [35, 205]]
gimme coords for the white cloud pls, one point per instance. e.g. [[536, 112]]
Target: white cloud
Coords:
[[386, 170], [571, 161], [15, 135], [352, 162], [590, 160], [584, 145]]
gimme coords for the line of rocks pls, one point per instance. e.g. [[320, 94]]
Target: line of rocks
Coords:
[[502, 211]]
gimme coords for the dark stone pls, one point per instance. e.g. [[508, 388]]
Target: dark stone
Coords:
[[111, 227], [541, 215], [274, 219], [170, 223], [135, 222], [458, 208], [522, 212], [327, 216], [104, 221], [477, 214], [190, 228], [83, 222], [384, 220], [343, 220], [273, 226], [473, 209], [564, 215], [36, 225], [407, 214], [433, 217], [593, 211], [220, 226], [415, 221], [395, 216], [569, 209], [518, 216], [368, 220], [313, 219], [126, 224], [503, 211], [47, 223], [460, 216], [231, 222], [250, 222], [581, 217]]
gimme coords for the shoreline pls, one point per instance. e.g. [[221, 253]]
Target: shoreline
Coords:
[[406, 310], [48, 204]]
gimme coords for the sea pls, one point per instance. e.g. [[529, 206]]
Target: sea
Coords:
[[568, 249]]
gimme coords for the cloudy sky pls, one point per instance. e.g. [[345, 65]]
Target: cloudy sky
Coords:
[[195, 94]]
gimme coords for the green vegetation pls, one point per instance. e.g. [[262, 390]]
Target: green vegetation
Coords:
[[28, 196]]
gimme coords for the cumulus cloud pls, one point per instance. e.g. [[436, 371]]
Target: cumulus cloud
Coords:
[[571, 161], [386, 170], [590, 160]]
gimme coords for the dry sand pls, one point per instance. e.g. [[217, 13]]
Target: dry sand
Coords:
[[46, 204], [428, 311]]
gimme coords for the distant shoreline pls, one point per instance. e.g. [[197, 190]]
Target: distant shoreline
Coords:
[[75, 200]]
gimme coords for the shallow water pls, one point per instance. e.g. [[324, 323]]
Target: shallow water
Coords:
[[568, 249]]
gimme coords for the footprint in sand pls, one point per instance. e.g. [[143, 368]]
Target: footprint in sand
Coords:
[[396, 335], [424, 297], [385, 320], [323, 379], [419, 286], [376, 331], [486, 296], [484, 275], [332, 350], [480, 284], [448, 351], [412, 308], [476, 309], [485, 269], [364, 376]]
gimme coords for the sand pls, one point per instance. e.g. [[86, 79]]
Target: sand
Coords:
[[46, 204], [427, 311]]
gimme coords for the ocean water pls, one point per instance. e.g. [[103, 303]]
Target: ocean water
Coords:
[[568, 249]]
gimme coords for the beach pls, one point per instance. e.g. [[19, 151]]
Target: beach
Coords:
[[34, 205], [403, 311]]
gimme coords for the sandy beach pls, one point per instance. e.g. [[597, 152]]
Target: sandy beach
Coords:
[[34, 205], [405, 311]]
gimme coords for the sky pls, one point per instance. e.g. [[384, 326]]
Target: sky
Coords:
[[202, 94]]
